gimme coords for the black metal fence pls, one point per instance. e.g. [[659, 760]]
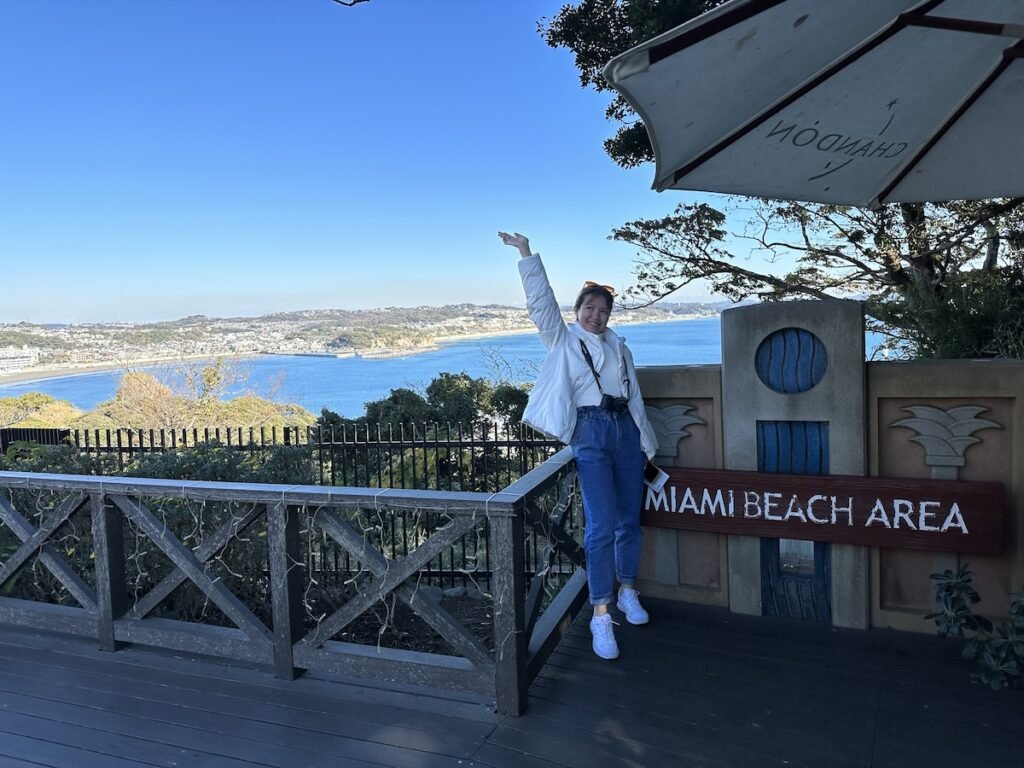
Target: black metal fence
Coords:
[[425, 456], [32, 435]]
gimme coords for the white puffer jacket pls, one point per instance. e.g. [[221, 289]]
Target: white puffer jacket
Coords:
[[552, 405]]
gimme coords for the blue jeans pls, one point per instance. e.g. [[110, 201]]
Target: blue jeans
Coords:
[[610, 463]]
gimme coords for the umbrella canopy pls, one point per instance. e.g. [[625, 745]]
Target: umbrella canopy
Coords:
[[836, 101]]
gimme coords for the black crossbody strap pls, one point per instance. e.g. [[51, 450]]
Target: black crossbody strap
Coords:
[[590, 362], [593, 370]]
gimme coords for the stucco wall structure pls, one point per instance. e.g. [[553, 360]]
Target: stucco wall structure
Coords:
[[982, 400], [895, 402]]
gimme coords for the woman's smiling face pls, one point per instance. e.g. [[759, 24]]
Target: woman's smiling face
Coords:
[[593, 313]]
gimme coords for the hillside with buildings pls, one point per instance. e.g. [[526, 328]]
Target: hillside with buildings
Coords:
[[25, 347]]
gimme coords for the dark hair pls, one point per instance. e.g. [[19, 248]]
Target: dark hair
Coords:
[[594, 290]]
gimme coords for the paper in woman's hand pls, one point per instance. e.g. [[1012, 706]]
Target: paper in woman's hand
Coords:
[[654, 476]]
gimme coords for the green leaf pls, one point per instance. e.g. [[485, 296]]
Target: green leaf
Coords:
[[970, 649]]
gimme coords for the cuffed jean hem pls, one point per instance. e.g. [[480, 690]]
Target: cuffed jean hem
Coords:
[[608, 599]]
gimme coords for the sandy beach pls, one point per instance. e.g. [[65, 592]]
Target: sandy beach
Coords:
[[472, 336], [38, 374], [52, 373]]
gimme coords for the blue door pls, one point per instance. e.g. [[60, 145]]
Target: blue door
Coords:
[[796, 577]]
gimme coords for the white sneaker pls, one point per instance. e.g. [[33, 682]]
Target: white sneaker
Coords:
[[604, 637], [629, 604]]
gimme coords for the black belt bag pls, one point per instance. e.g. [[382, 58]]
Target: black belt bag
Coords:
[[614, 404]]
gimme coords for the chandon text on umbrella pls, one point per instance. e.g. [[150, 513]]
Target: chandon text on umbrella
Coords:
[[835, 143]]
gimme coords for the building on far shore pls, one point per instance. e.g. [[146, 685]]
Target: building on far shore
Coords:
[[14, 359]]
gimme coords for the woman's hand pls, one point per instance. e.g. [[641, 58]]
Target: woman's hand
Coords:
[[517, 241]]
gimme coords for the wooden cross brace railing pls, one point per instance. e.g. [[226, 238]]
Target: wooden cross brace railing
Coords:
[[210, 548], [389, 576], [111, 616], [192, 567], [36, 539], [396, 576]]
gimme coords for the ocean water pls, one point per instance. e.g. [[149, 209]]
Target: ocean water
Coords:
[[345, 385]]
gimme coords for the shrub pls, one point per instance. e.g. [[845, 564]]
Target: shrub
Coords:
[[24, 456], [998, 649]]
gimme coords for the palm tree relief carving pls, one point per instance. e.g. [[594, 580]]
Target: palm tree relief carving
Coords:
[[946, 435]]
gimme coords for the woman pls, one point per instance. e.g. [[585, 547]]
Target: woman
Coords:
[[587, 396]]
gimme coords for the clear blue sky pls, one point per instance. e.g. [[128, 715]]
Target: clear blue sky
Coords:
[[230, 157]]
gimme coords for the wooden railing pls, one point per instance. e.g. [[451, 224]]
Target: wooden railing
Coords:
[[98, 557]]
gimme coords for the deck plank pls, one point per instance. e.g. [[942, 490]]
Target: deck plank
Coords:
[[115, 745], [104, 671], [697, 687], [241, 713], [225, 726], [39, 751]]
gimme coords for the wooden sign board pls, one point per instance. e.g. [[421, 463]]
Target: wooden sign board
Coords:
[[947, 515]]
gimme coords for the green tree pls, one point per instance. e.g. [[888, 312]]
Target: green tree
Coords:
[[597, 30], [509, 402], [458, 397], [923, 269], [329, 420], [450, 398], [401, 406]]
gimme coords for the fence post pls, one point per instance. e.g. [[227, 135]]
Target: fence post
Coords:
[[508, 590], [285, 585], [111, 588], [319, 449]]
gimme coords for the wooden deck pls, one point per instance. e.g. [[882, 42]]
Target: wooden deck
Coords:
[[697, 687]]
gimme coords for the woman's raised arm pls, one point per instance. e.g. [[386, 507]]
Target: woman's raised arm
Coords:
[[540, 299]]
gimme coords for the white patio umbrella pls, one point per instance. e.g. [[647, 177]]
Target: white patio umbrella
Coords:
[[853, 102]]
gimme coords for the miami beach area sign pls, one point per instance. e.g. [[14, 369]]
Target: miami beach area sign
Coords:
[[948, 515]]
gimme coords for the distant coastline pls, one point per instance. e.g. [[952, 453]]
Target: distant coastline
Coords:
[[57, 372], [53, 372]]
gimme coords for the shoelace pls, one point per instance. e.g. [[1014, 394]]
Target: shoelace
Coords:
[[605, 627]]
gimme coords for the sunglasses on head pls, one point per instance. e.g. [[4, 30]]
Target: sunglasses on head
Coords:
[[592, 284]]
